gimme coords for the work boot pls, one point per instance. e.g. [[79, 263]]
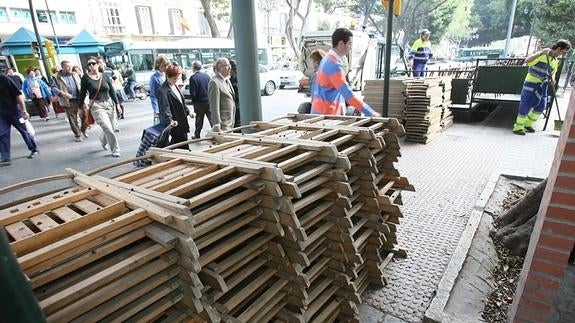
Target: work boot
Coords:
[[529, 129], [520, 132]]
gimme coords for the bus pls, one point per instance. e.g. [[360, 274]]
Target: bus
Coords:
[[141, 54], [473, 53]]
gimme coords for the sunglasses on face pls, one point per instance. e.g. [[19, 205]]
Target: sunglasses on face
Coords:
[[92, 63]]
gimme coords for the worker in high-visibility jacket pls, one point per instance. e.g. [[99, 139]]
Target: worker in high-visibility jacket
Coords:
[[543, 66], [420, 53]]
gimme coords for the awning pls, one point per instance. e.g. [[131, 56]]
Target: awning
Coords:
[[85, 43]]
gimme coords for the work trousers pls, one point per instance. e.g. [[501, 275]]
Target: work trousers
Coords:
[[419, 68], [531, 105], [201, 109], [42, 105], [8, 119], [73, 112], [104, 113]]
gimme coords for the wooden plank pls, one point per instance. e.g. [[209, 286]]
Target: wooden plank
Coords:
[[146, 308], [144, 172], [201, 181], [311, 198], [222, 206], [43, 222], [319, 303], [16, 213], [232, 263], [165, 175], [112, 302], [213, 279], [248, 289], [223, 218], [260, 303], [19, 231], [77, 241], [87, 206], [85, 259], [230, 227], [187, 177], [89, 285], [230, 242], [46, 237], [144, 191], [66, 214], [221, 190], [296, 161]]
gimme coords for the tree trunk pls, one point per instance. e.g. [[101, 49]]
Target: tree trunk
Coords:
[[516, 224], [207, 5]]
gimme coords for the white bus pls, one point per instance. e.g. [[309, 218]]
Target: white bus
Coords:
[[141, 54]]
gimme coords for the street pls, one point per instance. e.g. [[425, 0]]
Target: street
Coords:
[[58, 149]]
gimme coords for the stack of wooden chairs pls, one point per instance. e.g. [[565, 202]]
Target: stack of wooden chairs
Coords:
[[292, 222]]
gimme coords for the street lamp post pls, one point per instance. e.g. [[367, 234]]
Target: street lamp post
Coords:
[[268, 6]]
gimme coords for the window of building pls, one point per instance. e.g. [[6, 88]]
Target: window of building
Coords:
[[43, 16], [204, 27], [145, 22], [175, 25], [20, 15], [68, 17], [3, 15], [111, 17]]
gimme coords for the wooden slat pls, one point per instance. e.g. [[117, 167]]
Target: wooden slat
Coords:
[[66, 214], [201, 181], [46, 237], [247, 290], [185, 178], [146, 308], [16, 213], [229, 243], [144, 172], [87, 206], [43, 222], [221, 190], [259, 304], [76, 241], [72, 264], [18, 231], [83, 288]]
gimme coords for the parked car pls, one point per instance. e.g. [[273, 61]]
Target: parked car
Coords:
[[289, 73], [269, 82]]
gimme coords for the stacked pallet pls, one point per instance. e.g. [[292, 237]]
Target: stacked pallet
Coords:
[[446, 114], [424, 109], [373, 95], [90, 253], [290, 223]]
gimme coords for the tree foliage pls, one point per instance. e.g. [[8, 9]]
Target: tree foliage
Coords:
[[555, 20], [298, 10]]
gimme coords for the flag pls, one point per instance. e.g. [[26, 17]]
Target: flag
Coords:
[[184, 23]]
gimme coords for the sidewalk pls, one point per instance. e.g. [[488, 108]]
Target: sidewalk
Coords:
[[449, 175]]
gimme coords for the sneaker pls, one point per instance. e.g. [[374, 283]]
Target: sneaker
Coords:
[[85, 134], [529, 129], [5, 162], [33, 155], [47, 119], [116, 154], [78, 139], [520, 132]]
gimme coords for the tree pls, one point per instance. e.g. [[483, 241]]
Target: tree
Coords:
[[298, 9], [555, 20], [207, 5], [514, 227]]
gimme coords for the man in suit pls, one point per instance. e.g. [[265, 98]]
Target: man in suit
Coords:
[[221, 97], [199, 82], [66, 86]]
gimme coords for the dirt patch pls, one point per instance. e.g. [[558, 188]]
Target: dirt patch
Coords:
[[507, 271]]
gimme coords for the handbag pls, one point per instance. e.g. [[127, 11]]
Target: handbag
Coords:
[[89, 117]]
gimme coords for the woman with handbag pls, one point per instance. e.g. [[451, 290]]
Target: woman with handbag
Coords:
[[103, 103], [172, 107]]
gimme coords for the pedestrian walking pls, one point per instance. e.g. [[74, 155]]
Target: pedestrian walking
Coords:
[[130, 78], [234, 82], [38, 91], [543, 66], [118, 82], [420, 53], [103, 104], [221, 97], [13, 114], [66, 89], [156, 80], [331, 87], [316, 56], [172, 108], [199, 82], [17, 78]]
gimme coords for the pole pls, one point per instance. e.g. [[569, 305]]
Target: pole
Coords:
[[530, 36], [53, 30], [388, 37], [247, 60], [39, 39], [510, 28]]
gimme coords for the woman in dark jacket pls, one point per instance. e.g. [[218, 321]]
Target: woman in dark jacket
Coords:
[[172, 108]]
